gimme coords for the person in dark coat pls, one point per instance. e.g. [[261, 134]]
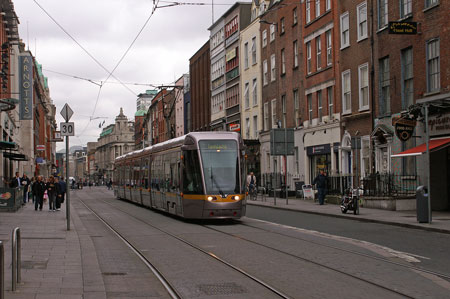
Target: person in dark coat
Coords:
[[39, 190], [15, 182], [51, 191], [63, 186], [321, 182]]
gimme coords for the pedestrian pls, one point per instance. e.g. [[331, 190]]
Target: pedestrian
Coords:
[[32, 182], [63, 185], [51, 192], [15, 182], [321, 182], [110, 184], [58, 195], [38, 191], [25, 181], [251, 182]]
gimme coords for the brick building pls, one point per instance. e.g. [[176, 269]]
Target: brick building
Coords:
[[200, 80]]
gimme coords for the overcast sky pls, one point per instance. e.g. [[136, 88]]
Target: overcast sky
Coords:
[[106, 28]]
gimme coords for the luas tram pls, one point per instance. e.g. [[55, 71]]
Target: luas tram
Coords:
[[199, 176]]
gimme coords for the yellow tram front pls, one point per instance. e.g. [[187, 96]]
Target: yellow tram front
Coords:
[[212, 178]]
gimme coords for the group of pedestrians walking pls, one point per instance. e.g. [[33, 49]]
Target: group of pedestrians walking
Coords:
[[39, 190]]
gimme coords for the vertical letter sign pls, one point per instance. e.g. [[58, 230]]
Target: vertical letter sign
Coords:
[[26, 87]]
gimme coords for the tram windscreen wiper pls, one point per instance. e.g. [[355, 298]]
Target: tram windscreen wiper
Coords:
[[213, 180]]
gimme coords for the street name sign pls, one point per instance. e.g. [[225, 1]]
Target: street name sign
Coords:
[[67, 129], [66, 113]]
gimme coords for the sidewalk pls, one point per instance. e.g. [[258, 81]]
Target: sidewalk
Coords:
[[440, 220], [54, 260]]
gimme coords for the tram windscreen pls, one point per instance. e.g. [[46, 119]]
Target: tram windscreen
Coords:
[[220, 166]]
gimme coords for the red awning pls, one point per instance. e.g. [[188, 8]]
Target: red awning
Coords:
[[435, 144]]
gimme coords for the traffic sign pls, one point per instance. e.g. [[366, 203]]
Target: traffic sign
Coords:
[[66, 113], [67, 129]]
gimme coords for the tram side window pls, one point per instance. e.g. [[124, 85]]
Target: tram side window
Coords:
[[192, 178], [144, 173], [166, 175], [127, 175], [156, 172]]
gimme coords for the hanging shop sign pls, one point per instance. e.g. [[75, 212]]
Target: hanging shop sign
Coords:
[[235, 127], [402, 27], [26, 87], [404, 127]]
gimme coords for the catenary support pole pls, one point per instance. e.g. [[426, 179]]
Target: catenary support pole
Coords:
[[427, 140], [67, 185]]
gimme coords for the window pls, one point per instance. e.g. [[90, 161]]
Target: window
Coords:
[[310, 111], [308, 57], [433, 68], [255, 127], [330, 101], [265, 79], [266, 116], [362, 21], [319, 53], [282, 25], [385, 94], [429, 3], [283, 109], [407, 79], [283, 63], [246, 95], [308, 12], [264, 38], [319, 105], [246, 55], [346, 92], [329, 47], [294, 16], [405, 8], [272, 68], [295, 48], [363, 78], [327, 5], [382, 13], [254, 50], [297, 108], [254, 92], [345, 31], [272, 32], [317, 8], [274, 113], [247, 128]]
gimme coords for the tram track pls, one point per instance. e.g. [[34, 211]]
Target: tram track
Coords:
[[279, 293], [377, 258], [172, 290]]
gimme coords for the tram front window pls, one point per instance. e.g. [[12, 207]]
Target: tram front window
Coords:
[[220, 166]]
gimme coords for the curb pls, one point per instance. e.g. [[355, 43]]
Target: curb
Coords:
[[356, 218]]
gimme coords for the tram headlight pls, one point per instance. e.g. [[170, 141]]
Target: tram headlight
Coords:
[[210, 198], [237, 197]]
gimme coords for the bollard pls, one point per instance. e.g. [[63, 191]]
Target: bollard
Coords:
[[2, 271], [16, 257]]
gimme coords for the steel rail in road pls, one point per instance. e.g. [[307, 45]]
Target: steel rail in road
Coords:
[[312, 262], [167, 285], [241, 271], [408, 266]]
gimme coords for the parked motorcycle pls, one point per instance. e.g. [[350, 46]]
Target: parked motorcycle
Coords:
[[350, 201]]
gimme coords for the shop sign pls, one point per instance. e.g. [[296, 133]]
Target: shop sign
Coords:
[[402, 27], [26, 87], [40, 147], [232, 74], [318, 150], [439, 125], [235, 127], [404, 127], [308, 192], [231, 54]]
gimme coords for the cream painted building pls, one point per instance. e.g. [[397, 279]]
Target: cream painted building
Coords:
[[250, 69]]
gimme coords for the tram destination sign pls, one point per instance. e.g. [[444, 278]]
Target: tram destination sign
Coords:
[[409, 28]]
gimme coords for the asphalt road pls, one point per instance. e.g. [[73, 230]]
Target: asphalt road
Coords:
[[432, 249]]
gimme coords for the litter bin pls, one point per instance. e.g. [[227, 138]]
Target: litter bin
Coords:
[[422, 204]]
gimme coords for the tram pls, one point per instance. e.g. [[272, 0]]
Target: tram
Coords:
[[196, 176]]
